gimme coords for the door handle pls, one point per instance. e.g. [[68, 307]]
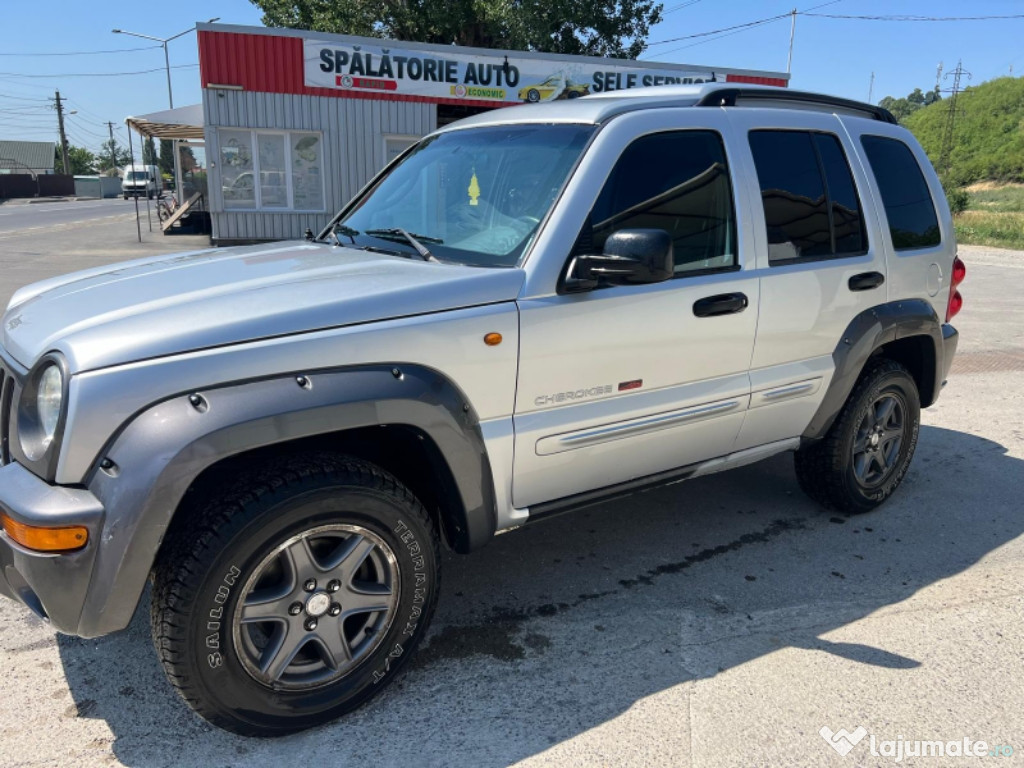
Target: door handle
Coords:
[[722, 304], [866, 281]]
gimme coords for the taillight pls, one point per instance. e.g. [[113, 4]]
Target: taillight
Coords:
[[956, 301]]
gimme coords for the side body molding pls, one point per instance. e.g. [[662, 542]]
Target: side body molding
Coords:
[[865, 334], [159, 453]]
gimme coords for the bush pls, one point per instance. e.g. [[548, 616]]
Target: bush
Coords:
[[957, 197]]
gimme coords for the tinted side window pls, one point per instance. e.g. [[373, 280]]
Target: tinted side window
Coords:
[[847, 221], [811, 207], [676, 181], [908, 204]]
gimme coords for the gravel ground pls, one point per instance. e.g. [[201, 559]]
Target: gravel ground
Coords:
[[723, 621]]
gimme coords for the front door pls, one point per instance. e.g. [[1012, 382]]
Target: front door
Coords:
[[631, 380]]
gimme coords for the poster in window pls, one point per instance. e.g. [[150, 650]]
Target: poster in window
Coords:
[[273, 176], [307, 171], [238, 186]]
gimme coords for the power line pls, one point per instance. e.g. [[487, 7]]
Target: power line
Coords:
[[717, 31], [83, 53], [729, 31], [19, 98], [912, 18], [80, 127], [98, 74], [719, 37], [77, 105], [679, 7]]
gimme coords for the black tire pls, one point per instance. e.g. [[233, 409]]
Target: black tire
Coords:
[[533, 95], [217, 552], [853, 469]]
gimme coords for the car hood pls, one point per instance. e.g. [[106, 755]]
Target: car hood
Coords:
[[199, 299]]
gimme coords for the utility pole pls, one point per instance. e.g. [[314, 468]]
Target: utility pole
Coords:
[[792, 33], [947, 139], [63, 137], [113, 147], [871, 88], [938, 78]]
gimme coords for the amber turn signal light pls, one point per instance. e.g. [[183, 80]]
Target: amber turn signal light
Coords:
[[492, 339], [65, 539]]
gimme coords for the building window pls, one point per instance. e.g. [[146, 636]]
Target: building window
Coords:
[[395, 145], [271, 170]]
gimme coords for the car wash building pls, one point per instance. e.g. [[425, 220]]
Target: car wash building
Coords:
[[296, 122]]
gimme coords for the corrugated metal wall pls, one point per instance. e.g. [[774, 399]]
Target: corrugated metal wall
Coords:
[[353, 130]]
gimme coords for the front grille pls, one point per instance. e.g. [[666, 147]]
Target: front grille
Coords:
[[6, 403]]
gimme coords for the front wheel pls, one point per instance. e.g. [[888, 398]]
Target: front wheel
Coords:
[[296, 596], [865, 455]]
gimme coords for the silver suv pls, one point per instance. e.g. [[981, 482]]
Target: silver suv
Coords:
[[529, 311]]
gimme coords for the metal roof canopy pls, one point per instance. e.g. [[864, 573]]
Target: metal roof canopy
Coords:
[[179, 123], [174, 124]]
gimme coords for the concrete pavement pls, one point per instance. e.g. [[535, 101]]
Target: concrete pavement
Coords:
[[19, 216], [720, 622]]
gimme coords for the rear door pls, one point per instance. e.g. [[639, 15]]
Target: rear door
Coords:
[[819, 256]]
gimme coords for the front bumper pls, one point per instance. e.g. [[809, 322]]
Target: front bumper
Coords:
[[53, 586]]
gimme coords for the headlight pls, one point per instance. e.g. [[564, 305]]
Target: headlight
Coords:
[[49, 399], [41, 411]]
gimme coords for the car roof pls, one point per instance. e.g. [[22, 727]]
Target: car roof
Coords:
[[599, 107]]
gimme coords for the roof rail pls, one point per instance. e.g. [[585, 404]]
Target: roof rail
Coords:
[[726, 97]]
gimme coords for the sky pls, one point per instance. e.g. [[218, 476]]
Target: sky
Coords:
[[836, 56]]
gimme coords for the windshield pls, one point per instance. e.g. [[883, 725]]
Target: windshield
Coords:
[[476, 196], [138, 176]]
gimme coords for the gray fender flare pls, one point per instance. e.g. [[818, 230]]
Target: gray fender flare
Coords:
[[866, 333], [160, 451]]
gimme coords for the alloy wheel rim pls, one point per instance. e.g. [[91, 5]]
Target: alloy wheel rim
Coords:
[[314, 608], [879, 440]]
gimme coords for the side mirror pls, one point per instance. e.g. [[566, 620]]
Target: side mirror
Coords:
[[631, 257]]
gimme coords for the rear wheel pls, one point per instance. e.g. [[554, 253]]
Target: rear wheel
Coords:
[[866, 453], [296, 596]]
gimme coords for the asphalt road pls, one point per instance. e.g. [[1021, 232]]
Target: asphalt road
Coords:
[[720, 622], [19, 217]]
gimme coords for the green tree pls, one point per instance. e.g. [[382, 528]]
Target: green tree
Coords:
[[617, 28], [149, 156], [166, 157], [903, 108], [988, 134], [188, 158], [81, 160], [112, 156]]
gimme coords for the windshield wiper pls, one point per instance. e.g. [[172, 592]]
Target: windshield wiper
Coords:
[[413, 240], [346, 231]]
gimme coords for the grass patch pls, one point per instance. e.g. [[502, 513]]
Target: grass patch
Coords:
[[993, 228], [1003, 198], [994, 216]]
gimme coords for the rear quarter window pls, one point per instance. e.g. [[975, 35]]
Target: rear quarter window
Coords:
[[908, 203]]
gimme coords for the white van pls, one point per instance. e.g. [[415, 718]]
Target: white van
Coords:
[[138, 180]]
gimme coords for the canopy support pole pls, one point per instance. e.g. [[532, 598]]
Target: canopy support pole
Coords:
[[131, 154]]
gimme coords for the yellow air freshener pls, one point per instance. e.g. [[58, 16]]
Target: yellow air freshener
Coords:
[[474, 190]]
